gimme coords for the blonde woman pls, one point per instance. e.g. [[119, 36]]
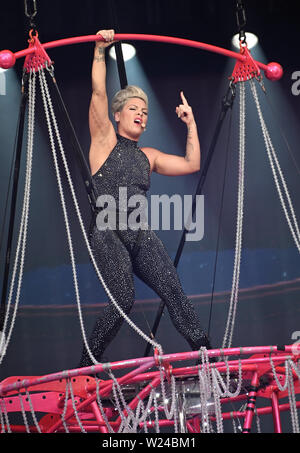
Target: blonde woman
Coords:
[[117, 161]]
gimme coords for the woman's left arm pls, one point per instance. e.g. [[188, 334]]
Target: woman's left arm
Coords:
[[172, 165]]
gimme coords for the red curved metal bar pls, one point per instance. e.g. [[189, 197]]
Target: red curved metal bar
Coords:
[[273, 71], [142, 37]]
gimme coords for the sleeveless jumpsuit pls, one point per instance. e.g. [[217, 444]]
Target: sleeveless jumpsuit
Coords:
[[121, 252]]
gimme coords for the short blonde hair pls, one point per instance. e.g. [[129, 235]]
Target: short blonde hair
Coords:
[[122, 96]]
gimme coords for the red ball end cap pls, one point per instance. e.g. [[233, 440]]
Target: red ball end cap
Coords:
[[7, 59], [274, 72]]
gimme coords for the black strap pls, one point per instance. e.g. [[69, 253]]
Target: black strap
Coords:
[[118, 47]]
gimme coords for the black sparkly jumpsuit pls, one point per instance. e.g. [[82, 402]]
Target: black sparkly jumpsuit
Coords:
[[121, 252]]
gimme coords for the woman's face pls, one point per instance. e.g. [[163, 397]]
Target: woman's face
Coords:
[[132, 120]]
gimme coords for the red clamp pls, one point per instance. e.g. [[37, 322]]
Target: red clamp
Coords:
[[245, 70], [39, 57]]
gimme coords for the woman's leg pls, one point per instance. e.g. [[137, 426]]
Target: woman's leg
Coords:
[[115, 266], [153, 265]]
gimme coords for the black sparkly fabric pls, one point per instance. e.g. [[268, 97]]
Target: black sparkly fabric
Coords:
[[122, 253]]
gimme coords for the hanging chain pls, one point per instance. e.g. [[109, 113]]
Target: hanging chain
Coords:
[[288, 385], [227, 340], [31, 12], [278, 176], [241, 21], [15, 286]]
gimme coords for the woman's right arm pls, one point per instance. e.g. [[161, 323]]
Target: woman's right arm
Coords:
[[101, 128]]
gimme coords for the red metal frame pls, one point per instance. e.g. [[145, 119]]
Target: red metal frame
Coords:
[[47, 393]]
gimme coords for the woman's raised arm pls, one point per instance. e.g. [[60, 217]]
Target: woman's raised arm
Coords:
[[100, 124]]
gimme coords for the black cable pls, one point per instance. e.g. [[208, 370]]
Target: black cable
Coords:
[[31, 12], [118, 46], [241, 20], [219, 222], [9, 185], [16, 174], [83, 165]]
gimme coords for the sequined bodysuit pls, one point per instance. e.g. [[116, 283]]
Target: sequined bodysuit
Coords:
[[120, 253]]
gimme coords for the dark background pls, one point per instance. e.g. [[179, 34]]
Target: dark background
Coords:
[[46, 335]]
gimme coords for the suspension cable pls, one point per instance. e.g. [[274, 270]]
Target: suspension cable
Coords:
[[31, 12], [241, 21], [227, 102], [278, 175]]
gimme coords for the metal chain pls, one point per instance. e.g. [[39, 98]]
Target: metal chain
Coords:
[[99, 402], [226, 387], [169, 412], [275, 167], [296, 368], [233, 423], [218, 409], [289, 385], [281, 387], [292, 400], [124, 427], [75, 408], [64, 412], [24, 413], [33, 412], [31, 13], [141, 418], [227, 340], [258, 427], [206, 389], [22, 237], [2, 403]]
